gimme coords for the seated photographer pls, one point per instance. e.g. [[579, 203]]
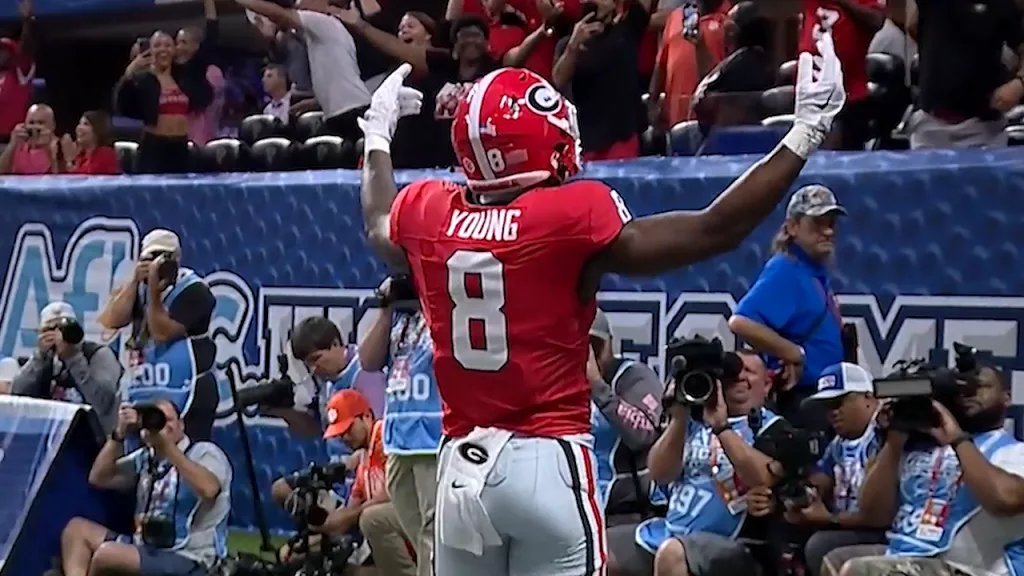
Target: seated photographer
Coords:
[[706, 456], [333, 366], [625, 417], [169, 309], [66, 366], [369, 507], [400, 342], [845, 393], [182, 499], [948, 482]]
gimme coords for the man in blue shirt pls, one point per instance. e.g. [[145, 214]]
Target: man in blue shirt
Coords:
[[400, 342], [791, 314]]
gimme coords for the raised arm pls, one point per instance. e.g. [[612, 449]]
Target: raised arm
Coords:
[[653, 244], [286, 18], [386, 42]]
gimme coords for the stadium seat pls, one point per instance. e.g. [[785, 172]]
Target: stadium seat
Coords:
[[127, 153], [222, 155], [1016, 134], [258, 127], [654, 142], [308, 125], [886, 69], [781, 121], [731, 140], [685, 138], [1015, 115], [325, 152], [271, 155], [778, 100], [786, 76]]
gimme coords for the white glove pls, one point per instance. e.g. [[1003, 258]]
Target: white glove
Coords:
[[819, 97], [390, 102]]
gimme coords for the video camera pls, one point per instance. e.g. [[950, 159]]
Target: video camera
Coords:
[[697, 366], [914, 384], [271, 392]]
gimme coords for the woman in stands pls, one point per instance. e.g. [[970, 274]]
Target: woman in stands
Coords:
[[91, 151], [162, 93]]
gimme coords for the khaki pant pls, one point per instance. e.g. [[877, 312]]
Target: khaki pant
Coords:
[[379, 525], [412, 484], [868, 560]]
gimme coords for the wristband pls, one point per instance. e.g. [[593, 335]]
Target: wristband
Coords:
[[802, 139], [963, 437], [114, 437], [376, 142], [719, 429]]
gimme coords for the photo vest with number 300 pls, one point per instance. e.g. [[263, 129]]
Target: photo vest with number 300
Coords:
[[168, 370], [932, 479], [696, 502], [412, 414]]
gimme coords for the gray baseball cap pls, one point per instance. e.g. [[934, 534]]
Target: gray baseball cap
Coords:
[[813, 200], [601, 328]]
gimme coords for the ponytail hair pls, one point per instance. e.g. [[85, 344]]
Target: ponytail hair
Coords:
[[781, 240]]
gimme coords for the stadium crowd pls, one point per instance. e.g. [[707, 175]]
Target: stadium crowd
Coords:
[[711, 77]]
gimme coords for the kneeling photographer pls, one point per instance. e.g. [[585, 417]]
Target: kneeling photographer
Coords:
[[369, 507], [707, 458], [830, 510], [66, 366], [182, 499], [949, 480]]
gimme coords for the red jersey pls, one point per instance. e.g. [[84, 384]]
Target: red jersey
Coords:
[[499, 286], [851, 41], [15, 86]]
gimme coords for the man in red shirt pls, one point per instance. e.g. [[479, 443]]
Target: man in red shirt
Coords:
[[17, 70], [853, 24], [506, 269]]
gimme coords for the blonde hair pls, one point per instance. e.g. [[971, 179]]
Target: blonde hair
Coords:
[[781, 240]]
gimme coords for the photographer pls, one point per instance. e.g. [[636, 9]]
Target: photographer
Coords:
[[65, 366], [845, 393], [791, 314], [400, 341], [183, 496], [951, 491], [625, 417], [171, 354], [709, 462], [333, 366], [369, 507]]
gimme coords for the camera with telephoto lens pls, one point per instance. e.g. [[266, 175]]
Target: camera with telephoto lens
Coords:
[[167, 271], [697, 366], [400, 291], [270, 392], [914, 384], [797, 452], [151, 417], [70, 331], [304, 504]]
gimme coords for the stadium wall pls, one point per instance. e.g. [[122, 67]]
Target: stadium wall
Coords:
[[930, 254]]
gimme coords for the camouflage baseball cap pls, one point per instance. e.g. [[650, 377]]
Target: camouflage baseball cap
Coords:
[[814, 200]]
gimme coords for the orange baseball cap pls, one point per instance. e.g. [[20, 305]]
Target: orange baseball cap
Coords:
[[342, 409]]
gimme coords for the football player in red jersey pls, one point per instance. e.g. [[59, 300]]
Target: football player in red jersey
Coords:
[[506, 270], [853, 24]]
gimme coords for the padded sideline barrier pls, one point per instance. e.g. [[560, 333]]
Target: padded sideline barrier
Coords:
[[931, 253]]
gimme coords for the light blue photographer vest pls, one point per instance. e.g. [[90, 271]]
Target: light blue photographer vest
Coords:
[[346, 379], [412, 413], [935, 503], [606, 445], [697, 500], [167, 370]]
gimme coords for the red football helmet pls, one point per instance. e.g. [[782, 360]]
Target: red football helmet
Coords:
[[514, 130]]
